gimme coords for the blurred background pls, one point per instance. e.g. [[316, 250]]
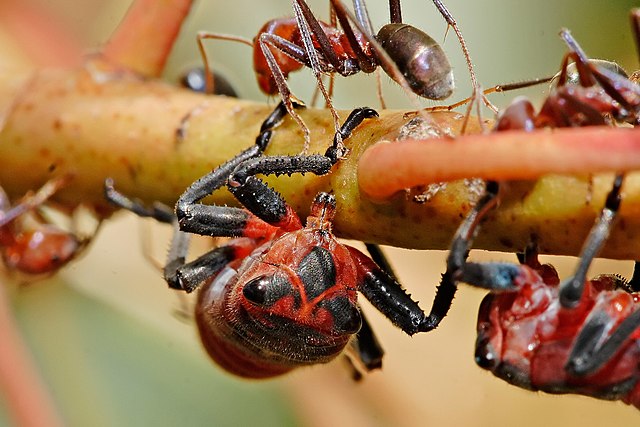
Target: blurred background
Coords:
[[108, 336]]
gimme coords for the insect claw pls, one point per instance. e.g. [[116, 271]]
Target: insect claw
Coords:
[[428, 324]]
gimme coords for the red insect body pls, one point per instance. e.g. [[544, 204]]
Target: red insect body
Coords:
[[282, 295], [40, 251], [526, 337], [288, 29], [28, 242], [306, 317], [596, 96]]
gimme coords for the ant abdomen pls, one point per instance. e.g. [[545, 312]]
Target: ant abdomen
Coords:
[[419, 58]]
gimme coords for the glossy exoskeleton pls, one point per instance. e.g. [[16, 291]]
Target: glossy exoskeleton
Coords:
[[534, 331], [195, 80], [408, 55], [280, 294], [527, 337], [29, 243], [603, 97]]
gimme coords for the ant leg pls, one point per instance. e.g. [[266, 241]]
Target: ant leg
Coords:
[[362, 15], [456, 262], [311, 29], [383, 104], [495, 89], [366, 63], [477, 90], [618, 87], [332, 81], [596, 344], [208, 74], [287, 97], [571, 290], [635, 27], [316, 92], [465, 51], [328, 62], [395, 12]]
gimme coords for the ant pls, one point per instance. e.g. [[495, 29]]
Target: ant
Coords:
[[280, 294], [409, 56], [604, 97], [39, 247]]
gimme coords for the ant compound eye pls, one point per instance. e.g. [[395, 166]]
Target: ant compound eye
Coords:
[[266, 290]]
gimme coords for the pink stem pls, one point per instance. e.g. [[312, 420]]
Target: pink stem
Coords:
[[146, 35], [38, 34], [386, 168], [27, 399]]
